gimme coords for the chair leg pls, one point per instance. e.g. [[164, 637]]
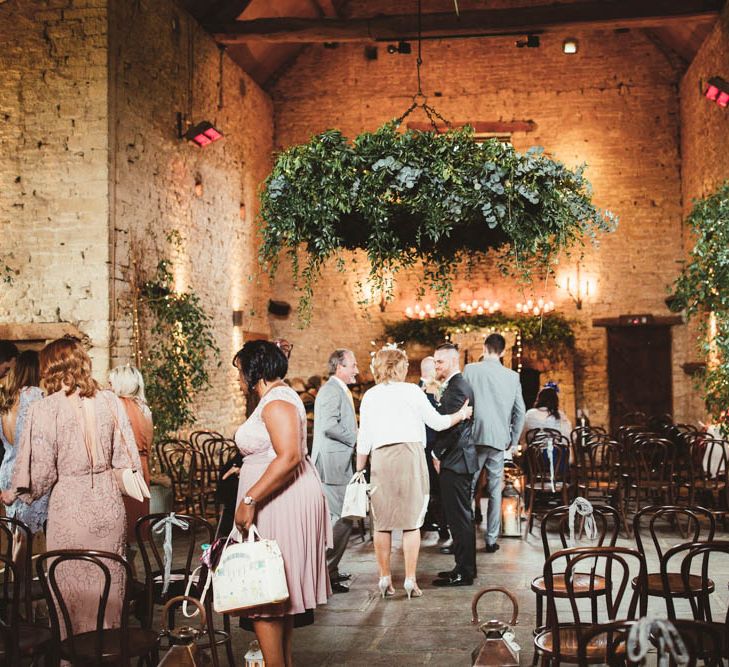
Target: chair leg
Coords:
[[540, 611], [229, 643]]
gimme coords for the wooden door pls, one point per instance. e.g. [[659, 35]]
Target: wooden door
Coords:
[[639, 371]]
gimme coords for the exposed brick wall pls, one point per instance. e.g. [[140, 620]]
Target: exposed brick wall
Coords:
[[208, 195], [704, 144], [53, 166], [613, 105]]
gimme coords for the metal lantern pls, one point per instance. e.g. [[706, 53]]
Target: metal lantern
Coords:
[[511, 510], [499, 648], [254, 655]]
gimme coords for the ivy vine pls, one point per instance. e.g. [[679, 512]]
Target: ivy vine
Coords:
[[702, 290], [175, 360], [551, 335], [421, 197]]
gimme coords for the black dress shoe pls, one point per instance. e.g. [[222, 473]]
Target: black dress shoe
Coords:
[[338, 587], [447, 575], [339, 577], [490, 548], [448, 551], [455, 580]]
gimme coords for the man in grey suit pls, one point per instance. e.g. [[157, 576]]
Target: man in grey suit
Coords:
[[498, 419], [335, 435]]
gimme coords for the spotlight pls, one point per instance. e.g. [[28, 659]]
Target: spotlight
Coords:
[[569, 46], [400, 47], [203, 133], [531, 42], [717, 90]]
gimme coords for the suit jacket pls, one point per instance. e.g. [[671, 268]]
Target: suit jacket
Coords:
[[335, 433], [498, 415], [453, 446]]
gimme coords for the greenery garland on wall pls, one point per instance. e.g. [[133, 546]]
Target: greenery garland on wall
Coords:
[[174, 359], [551, 336], [409, 197], [702, 290]]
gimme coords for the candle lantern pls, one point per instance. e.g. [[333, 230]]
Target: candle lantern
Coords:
[[254, 655], [511, 510]]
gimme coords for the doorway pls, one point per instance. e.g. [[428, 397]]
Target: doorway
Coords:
[[639, 371]]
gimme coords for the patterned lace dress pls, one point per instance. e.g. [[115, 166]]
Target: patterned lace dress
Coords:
[[85, 509], [35, 514], [296, 516]]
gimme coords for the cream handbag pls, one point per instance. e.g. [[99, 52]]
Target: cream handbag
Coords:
[[356, 501], [249, 574]]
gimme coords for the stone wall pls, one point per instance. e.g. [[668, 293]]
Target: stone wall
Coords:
[[613, 105], [163, 63], [53, 167], [704, 144]]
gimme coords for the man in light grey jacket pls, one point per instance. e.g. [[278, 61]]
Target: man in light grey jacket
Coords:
[[335, 435], [498, 419]]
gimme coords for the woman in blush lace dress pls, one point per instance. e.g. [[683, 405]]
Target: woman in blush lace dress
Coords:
[[72, 441], [280, 491], [20, 392]]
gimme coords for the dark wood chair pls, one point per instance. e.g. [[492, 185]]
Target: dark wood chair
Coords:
[[597, 471], [606, 571], [10, 652], [708, 481], [647, 471], [183, 464], [607, 523], [534, 434], [606, 642], [665, 583], [150, 532], [547, 476], [101, 645]]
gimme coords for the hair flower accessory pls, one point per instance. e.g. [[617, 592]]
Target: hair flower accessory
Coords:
[[551, 384], [386, 346]]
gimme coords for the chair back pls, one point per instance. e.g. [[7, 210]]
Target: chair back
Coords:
[[548, 465], [708, 460], [700, 556], [702, 641], [89, 566], [534, 434], [694, 531], [651, 461], [151, 531], [598, 467], [184, 465], [10, 597], [9, 526], [604, 576], [607, 523]]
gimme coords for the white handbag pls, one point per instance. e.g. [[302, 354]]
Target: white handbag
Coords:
[[356, 501], [249, 574]]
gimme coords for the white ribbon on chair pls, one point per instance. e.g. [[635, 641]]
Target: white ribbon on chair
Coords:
[[670, 644], [583, 507], [165, 525], [550, 455]]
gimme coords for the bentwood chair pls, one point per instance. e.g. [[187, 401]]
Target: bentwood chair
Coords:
[[607, 642], [606, 571], [547, 476], [607, 523], [664, 583], [184, 465], [102, 645]]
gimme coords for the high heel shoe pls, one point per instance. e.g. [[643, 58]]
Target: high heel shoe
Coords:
[[385, 586], [411, 588]]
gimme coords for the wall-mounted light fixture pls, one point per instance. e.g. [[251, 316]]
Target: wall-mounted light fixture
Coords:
[[569, 46], [531, 42], [717, 90], [577, 287], [401, 47], [237, 318], [202, 134]]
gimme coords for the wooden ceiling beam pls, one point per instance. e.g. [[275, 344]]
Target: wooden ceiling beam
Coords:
[[594, 14]]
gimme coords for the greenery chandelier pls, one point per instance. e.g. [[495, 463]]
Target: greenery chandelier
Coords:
[[421, 198]]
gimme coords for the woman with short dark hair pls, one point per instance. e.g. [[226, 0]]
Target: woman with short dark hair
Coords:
[[280, 491]]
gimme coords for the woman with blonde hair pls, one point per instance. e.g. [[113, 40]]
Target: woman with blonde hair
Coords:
[[128, 384], [21, 390], [393, 415], [74, 439]]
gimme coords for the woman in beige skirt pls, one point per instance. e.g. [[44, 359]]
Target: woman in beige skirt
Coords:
[[393, 416]]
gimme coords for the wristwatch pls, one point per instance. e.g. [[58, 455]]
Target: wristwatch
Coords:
[[248, 500]]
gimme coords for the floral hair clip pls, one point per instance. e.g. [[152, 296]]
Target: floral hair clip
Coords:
[[386, 346], [551, 385]]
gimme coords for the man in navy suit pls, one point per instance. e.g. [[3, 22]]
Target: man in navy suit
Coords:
[[457, 463]]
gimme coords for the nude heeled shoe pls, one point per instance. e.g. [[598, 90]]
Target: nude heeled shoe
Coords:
[[385, 586], [411, 588]]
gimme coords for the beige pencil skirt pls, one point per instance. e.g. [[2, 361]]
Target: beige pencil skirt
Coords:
[[399, 486]]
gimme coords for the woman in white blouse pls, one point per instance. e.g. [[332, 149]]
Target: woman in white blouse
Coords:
[[393, 415], [546, 412]]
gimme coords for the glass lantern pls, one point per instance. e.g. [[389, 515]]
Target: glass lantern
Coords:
[[254, 655], [511, 510]]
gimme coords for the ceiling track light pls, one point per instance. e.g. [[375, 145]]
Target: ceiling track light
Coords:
[[717, 90]]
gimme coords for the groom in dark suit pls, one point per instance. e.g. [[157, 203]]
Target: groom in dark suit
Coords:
[[456, 460]]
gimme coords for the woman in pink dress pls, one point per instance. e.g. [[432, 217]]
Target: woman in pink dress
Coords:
[[280, 491], [72, 441]]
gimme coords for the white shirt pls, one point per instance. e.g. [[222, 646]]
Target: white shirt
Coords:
[[540, 418], [396, 412]]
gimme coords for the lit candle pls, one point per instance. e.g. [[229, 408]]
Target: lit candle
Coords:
[[536, 310], [496, 305], [479, 310], [475, 303], [408, 312], [463, 306], [519, 307]]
